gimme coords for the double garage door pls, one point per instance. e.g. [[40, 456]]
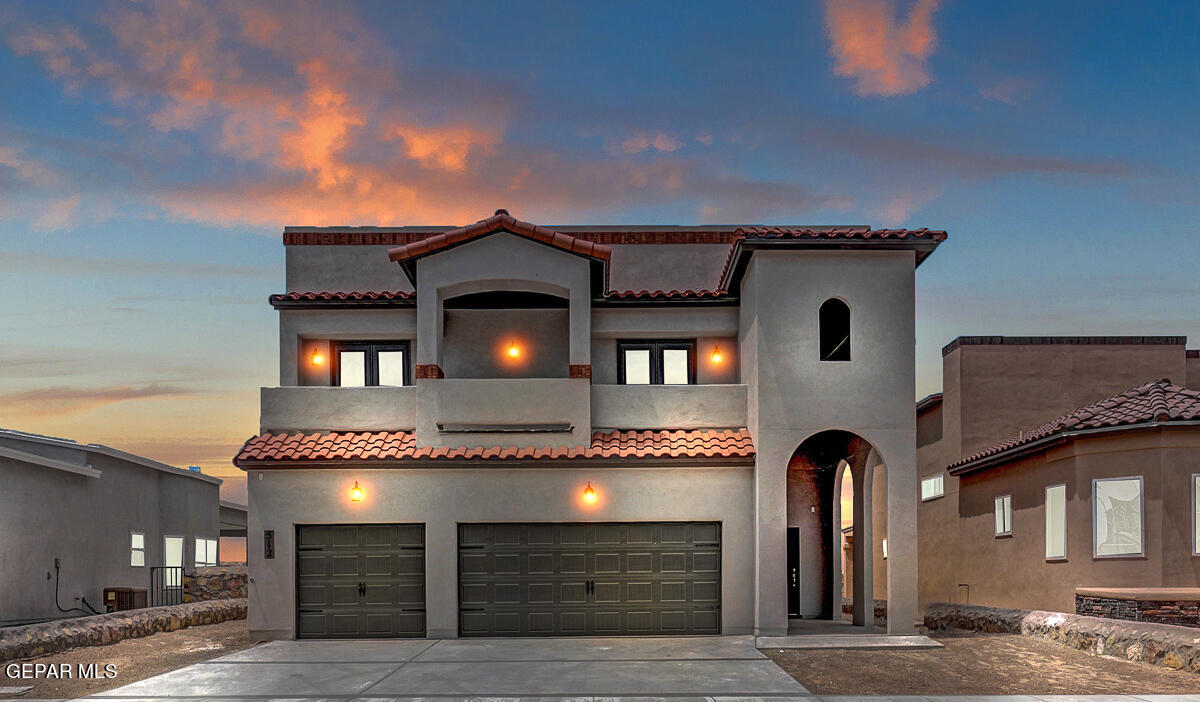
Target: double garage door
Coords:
[[537, 579]]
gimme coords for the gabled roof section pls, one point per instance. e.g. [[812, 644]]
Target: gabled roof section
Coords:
[[1154, 403], [748, 239], [501, 221], [929, 402], [376, 447]]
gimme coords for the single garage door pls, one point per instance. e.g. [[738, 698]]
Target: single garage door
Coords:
[[360, 581], [624, 578]]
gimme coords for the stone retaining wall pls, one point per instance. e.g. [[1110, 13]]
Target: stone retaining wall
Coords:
[[49, 637], [1158, 644], [215, 583], [1179, 613]]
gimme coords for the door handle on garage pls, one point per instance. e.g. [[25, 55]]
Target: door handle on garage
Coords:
[[362, 589]]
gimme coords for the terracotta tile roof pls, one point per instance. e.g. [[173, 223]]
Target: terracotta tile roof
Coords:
[[402, 446], [500, 221], [1158, 401], [387, 298], [824, 235], [665, 294]]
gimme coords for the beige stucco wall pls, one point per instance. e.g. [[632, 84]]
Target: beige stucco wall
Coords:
[[442, 497], [992, 392], [1013, 571]]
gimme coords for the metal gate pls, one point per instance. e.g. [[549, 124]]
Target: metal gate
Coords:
[[622, 578], [360, 580]]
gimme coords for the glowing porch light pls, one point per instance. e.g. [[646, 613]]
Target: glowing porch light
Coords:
[[589, 493], [317, 357], [514, 351], [356, 493], [716, 354]]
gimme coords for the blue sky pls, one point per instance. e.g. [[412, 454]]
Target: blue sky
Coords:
[[150, 154]]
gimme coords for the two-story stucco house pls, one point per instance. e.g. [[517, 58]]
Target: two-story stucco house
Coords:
[[509, 429]]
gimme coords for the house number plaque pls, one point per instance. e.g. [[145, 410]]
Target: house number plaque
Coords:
[[268, 543]]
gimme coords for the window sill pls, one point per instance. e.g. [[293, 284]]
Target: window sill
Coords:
[[935, 497], [1119, 556], [1058, 559], [1005, 535]]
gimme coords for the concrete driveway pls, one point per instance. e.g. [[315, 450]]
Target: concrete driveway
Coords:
[[726, 666]]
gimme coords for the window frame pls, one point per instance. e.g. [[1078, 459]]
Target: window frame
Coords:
[[1141, 517], [370, 351], [1007, 517], [1046, 509], [133, 550], [940, 494], [207, 544], [656, 348], [1195, 522]]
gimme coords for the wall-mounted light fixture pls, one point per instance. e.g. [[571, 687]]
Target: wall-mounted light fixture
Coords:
[[514, 351], [356, 493], [589, 493], [317, 357], [716, 354]]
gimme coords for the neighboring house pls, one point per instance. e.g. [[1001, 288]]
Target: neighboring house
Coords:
[[508, 429], [79, 518], [1054, 463]]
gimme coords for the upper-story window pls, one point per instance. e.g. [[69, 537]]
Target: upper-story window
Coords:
[[359, 363], [663, 362], [834, 320]]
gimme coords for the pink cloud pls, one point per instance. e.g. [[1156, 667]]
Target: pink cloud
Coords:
[[884, 54], [661, 142]]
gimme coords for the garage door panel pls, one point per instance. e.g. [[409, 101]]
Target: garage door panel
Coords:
[[360, 581], [578, 579]]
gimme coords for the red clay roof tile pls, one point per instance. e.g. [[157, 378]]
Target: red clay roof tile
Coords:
[[401, 446], [500, 221], [326, 296], [1157, 401]]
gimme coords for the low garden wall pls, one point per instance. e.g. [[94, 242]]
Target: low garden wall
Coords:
[[49, 637], [880, 609], [214, 583], [1178, 606], [1158, 644]]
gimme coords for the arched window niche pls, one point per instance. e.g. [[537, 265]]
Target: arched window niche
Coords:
[[834, 320]]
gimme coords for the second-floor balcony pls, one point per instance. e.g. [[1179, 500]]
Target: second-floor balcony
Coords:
[[502, 412]]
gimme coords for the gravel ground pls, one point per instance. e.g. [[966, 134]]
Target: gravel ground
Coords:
[[978, 664], [135, 659]]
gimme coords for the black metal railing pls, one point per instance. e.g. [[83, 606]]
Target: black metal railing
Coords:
[[166, 585]]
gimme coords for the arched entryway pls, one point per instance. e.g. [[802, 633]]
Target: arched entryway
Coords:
[[817, 523]]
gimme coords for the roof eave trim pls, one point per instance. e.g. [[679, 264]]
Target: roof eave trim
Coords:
[[1011, 454], [85, 470], [342, 304], [743, 461], [742, 249]]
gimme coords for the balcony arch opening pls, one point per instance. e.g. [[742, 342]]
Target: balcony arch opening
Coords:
[[505, 333]]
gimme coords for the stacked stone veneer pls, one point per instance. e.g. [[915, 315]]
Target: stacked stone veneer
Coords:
[[48, 637], [1158, 644], [1179, 613], [214, 583]]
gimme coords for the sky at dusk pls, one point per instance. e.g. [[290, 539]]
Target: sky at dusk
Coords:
[[151, 152]]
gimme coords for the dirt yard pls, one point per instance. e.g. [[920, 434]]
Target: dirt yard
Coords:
[[135, 659], [978, 664]]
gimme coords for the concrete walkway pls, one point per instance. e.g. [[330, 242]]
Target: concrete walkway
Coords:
[[580, 668]]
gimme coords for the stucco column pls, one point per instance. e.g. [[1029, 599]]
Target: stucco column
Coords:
[[441, 578], [579, 325], [770, 506], [835, 538], [429, 323], [900, 456], [864, 540]]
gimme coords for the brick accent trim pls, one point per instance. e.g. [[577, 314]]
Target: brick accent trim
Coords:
[[1064, 341], [405, 238], [579, 371], [429, 370]]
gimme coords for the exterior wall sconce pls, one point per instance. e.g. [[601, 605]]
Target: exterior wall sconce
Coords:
[[589, 493], [356, 493], [317, 358], [716, 355], [514, 351]]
